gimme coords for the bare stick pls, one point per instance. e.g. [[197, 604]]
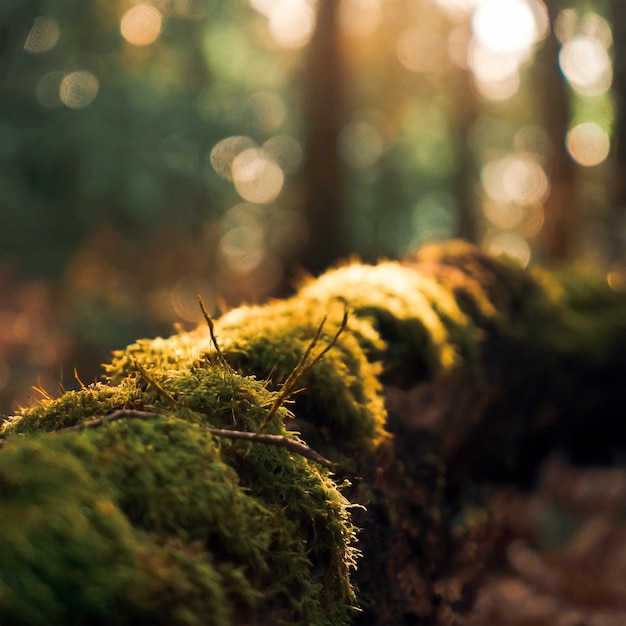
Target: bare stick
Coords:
[[209, 321], [112, 417], [301, 369], [155, 383], [273, 440]]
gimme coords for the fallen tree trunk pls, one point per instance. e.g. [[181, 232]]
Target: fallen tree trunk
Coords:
[[219, 476]]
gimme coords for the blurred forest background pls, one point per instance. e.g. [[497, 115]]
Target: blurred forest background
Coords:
[[153, 151]]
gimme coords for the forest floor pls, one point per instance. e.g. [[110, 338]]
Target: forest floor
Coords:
[[552, 555]]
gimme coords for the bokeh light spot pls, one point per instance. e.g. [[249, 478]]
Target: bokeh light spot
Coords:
[[505, 25], [586, 64], [286, 151], [225, 151], [141, 25], [257, 177], [266, 110], [242, 246], [78, 89], [517, 178], [616, 278], [565, 24], [43, 35], [433, 218], [47, 89], [184, 297], [360, 144], [291, 22], [588, 144]]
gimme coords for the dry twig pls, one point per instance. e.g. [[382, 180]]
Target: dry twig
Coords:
[[273, 440]]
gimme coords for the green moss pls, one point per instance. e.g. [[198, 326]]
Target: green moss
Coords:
[[341, 399], [158, 521], [73, 407], [68, 555], [414, 315], [254, 524]]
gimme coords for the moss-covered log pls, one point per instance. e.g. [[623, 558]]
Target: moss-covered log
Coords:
[[127, 501]]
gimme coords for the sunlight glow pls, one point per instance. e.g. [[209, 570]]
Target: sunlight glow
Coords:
[[78, 89], [505, 25], [43, 36], [141, 25], [242, 245], [504, 34], [241, 248], [588, 144], [565, 24]]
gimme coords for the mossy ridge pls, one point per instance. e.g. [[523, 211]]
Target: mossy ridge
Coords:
[[288, 530], [566, 313], [341, 406], [467, 304], [69, 555], [413, 313]]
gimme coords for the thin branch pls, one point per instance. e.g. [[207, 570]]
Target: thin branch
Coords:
[[301, 369], [292, 380], [155, 383], [80, 382], [209, 321], [112, 417], [273, 440], [332, 342]]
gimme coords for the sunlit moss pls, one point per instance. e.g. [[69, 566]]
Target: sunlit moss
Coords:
[[342, 396], [158, 520]]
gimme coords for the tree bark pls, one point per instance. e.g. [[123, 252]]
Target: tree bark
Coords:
[[323, 112], [561, 215]]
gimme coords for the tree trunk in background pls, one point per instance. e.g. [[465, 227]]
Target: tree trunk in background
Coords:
[[561, 214], [323, 115], [465, 115], [617, 217]]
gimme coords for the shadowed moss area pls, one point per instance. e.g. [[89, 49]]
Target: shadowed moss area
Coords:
[[255, 525], [153, 518]]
